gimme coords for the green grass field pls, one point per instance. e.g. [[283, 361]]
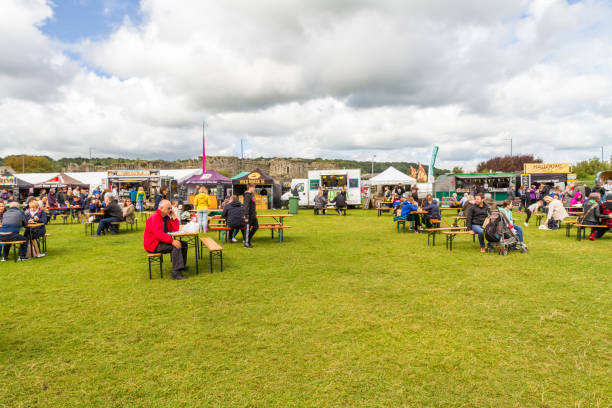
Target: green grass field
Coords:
[[346, 312]]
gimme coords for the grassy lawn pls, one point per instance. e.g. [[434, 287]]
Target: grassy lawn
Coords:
[[346, 312]]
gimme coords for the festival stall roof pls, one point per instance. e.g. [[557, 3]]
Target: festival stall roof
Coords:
[[179, 174], [241, 174], [208, 177], [8, 179], [61, 180], [254, 177], [35, 178], [391, 176], [92, 178]]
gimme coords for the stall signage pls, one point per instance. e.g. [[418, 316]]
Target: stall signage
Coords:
[[7, 180], [526, 180], [540, 168], [133, 173], [205, 176], [572, 177], [314, 184], [253, 176], [354, 183]]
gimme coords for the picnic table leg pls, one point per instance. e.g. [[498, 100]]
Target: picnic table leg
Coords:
[[197, 253], [578, 232], [451, 241], [210, 259], [433, 239], [221, 260]]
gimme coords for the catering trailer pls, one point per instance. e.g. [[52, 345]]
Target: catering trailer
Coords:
[[497, 184], [334, 180]]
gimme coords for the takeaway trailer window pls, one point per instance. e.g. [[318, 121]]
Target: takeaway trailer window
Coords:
[[334, 181]]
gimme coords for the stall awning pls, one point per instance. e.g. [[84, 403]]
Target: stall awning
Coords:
[[10, 180], [210, 177], [61, 180], [255, 177], [240, 175]]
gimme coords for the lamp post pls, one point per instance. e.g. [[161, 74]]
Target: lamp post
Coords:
[[510, 140], [372, 174]]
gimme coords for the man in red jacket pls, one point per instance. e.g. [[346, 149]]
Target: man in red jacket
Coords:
[[157, 239]]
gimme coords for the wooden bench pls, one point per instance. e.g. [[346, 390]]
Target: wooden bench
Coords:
[[568, 226], [431, 232], [538, 217], [460, 218], [213, 249], [156, 257], [116, 224], [581, 229], [64, 217], [383, 208], [450, 236], [278, 227], [14, 244], [132, 226], [43, 242], [89, 225]]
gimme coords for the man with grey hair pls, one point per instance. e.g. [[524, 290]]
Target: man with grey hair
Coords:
[[12, 222]]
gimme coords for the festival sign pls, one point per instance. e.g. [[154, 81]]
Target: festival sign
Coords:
[[133, 173], [539, 168], [7, 181]]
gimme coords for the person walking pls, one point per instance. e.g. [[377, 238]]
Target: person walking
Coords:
[[250, 215], [201, 205]]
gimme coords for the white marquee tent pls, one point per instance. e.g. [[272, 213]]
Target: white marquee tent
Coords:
[[391, 176]]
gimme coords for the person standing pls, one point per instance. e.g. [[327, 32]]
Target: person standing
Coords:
[[140, 198], [157, 240], [250, 215], [201, 205], [133, 194], [476, 215], [163, 195]]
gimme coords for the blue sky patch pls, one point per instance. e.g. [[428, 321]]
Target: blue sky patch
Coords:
[[74, 20]]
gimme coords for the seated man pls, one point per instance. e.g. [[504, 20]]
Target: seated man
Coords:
[[157, 239], [12, 222], [340, 201], [409, 206], [476, 214], [433, 210], [112, 213], [234, 218]]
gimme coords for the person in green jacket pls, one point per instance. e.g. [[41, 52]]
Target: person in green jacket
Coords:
[[201, 205]]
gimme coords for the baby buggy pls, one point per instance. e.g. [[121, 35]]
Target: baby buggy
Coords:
[[500, 237]]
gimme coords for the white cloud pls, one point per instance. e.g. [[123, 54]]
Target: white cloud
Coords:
[[317, 78]]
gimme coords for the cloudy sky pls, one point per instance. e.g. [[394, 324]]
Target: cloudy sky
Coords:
[[316, 78]]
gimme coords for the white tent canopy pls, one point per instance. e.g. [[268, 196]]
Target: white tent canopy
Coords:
[[391, 176]]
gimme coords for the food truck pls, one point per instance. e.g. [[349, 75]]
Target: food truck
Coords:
[[126, 179], [334, 180], [267, 189], [552, 174], [497, 184]]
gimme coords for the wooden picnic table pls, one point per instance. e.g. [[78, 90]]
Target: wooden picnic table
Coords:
[[30, 240], [192, 239]]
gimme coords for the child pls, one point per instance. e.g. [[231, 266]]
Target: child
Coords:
[[506, 209], [532, 209]]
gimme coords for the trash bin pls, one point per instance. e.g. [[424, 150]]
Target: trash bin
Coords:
[[293, 205]]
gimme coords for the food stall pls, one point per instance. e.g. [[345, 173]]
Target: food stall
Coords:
[[14, 184], [261, 181], [126, 179], [497, 184], [553, 174], [217, 184]]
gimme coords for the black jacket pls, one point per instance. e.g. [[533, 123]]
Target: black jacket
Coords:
[[476, 215], [234, 214], [113, 210], [250, 212], [340, 200]]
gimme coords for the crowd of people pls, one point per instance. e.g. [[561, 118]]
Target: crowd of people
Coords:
[[321, 201]]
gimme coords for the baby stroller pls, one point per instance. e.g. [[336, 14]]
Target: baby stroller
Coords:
[[498, 233]]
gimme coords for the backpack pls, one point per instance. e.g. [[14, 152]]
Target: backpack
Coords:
[[492, 227]]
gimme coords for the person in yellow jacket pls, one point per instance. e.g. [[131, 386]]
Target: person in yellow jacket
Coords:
[[201, 205]]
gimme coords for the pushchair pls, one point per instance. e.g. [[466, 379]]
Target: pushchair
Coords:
[[500, 237]]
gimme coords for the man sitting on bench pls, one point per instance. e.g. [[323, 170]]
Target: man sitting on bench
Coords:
[[12, 221], [112, 213], [476, 215], [157, 239], [433, 210], [340, 201], [234, 218]]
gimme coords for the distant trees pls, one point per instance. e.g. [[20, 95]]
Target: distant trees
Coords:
[[458, 170], [506, 163], [587, 169], [31, 164]]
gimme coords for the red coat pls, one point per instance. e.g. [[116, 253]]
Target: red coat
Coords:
[[154, 231]]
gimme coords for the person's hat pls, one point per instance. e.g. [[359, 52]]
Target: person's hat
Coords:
[[548, 199]]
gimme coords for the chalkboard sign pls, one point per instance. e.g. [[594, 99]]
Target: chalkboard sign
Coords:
[[526, 180]]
